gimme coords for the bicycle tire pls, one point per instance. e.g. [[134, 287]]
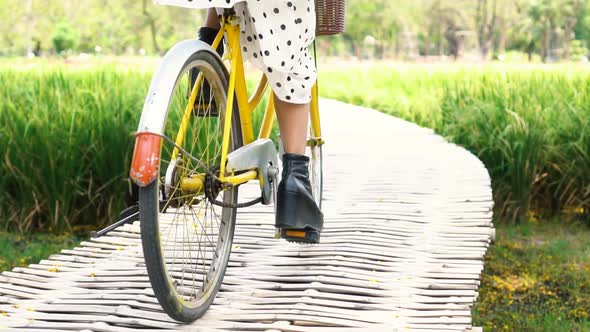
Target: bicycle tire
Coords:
[[316, 173], [162, 271]]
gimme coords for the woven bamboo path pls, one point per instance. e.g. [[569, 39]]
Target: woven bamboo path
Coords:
[[408, 221]]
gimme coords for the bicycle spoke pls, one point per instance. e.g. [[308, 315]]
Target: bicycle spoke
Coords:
[[192, 234]]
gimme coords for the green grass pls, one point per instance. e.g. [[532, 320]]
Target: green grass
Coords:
[[66, 133], [536, 278], [66, 138], [530, 126], [22, 250]]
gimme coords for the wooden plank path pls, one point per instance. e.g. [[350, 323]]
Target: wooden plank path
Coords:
[[408, 221]]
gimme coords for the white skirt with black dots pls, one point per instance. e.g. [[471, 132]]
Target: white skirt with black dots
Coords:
[[275, 38]]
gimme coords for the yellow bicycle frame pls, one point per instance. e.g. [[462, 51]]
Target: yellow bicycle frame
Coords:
[[237, 87]]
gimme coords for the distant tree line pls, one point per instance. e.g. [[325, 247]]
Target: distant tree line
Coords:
[[548, 29], [92, 26]]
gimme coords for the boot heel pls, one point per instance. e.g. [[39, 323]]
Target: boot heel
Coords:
[[301, 236]]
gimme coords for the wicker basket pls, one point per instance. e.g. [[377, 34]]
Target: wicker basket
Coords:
[[329, 17]]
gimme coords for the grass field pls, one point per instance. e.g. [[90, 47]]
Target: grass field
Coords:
[[66, 135], [22, 250], [66, 138], [66, 132], [530, 125]]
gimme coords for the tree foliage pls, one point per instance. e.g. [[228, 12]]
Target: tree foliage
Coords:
[[116, 26], [399, 28], [64, 38]]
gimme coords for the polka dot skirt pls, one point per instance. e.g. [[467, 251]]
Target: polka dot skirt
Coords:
[[275, 37]]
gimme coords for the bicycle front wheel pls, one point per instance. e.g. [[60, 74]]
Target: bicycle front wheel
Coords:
[[186, 233]]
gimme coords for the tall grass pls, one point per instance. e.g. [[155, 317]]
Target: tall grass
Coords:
[[66, 135], [529, 126], [65, 139]]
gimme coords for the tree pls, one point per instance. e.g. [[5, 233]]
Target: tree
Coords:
[[486, 19], [527, 32], [152, 24], [582, 28], [447, 21], [399, 27], [509, 16], [556, 18], [569, 14], [64, 38], [363, 20]]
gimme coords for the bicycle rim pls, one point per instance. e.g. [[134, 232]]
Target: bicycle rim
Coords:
[[186, 239]]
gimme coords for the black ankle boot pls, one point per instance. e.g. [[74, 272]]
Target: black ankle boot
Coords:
[[201, 107], [208, 36], [298, 215]]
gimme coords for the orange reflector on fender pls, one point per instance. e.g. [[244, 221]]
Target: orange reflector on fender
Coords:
[[146, 158]]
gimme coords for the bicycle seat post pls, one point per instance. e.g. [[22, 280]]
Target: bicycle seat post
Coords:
[[227, 12], [228, 15]]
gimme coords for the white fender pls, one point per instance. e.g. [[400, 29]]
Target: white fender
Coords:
[[146, 154], [162, 85]]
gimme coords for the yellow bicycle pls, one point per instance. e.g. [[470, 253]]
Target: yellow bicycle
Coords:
[[190, 162]]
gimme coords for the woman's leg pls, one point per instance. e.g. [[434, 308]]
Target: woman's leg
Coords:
[[209, 30], [297, 215], [207, 34], [293, 120], [212, 21]]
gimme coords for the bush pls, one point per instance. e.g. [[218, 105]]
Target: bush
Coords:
[[64, 38], [579, 51]]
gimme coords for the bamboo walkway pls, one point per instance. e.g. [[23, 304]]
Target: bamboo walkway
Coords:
[[408, 221]]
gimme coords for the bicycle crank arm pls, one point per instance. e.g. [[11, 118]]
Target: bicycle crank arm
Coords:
[[260, 155]]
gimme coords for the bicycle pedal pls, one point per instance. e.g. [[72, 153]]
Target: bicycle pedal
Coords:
[[309, 236]]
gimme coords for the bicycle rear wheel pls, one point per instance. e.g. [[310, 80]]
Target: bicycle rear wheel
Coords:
[[316, 174], [186, 238]]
